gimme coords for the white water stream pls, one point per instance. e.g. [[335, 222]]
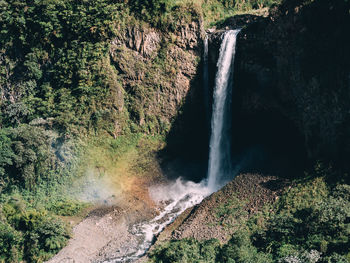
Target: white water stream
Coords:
[[176, 198]]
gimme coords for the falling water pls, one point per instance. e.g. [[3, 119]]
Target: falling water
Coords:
[[219, 153], [206, 80]]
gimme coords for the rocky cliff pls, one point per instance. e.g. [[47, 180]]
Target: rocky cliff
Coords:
[[160, 75]]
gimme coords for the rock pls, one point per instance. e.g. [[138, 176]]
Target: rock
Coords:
[[159, 71], [188, 35], [144, 40]]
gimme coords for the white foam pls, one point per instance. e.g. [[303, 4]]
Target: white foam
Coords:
[[173, 198]]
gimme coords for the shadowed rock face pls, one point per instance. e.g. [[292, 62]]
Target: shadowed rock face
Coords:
[[296, 65]]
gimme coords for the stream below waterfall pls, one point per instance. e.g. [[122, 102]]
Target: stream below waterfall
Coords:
[[173, 199]]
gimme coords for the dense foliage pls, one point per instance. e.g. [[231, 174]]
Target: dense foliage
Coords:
[[29, 234], [166, 13], [55, 60], [51, 59], [55, 86], [60, 86], [54, 56]]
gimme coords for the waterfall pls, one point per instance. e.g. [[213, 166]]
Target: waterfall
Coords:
[[219, 166], [206, 81], [178, 196]]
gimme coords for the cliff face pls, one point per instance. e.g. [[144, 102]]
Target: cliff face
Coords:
[[295, 67], [158, 72]]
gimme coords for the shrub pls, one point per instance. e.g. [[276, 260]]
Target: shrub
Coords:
[[241, 250], [66, 207], [29, 156], [47, 236], [10, 244], [309, 217], [336, 258], [186, 251], [31, 234], [232, 213]]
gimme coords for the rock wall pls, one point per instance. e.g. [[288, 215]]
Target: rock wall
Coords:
[[157, 70]]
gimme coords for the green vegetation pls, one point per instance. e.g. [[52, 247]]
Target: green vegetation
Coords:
[[58, 90], [309, 223], [29, 234], [59, 82], [69, 106], [231, 213], [186, 250], [166, 14], [52, 60], [31, 197], [55, 55]]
